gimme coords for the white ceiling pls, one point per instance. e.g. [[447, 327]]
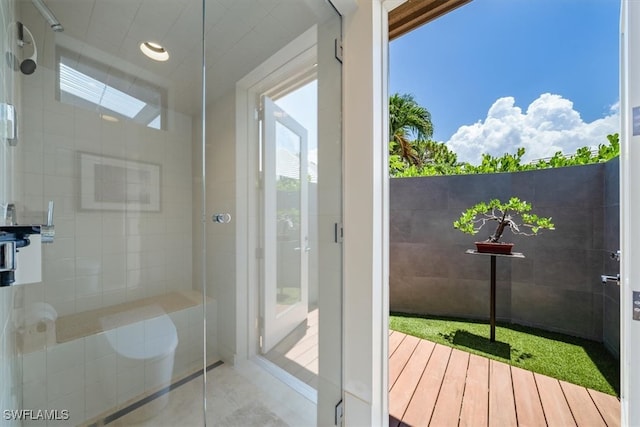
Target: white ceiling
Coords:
[[240, 34]]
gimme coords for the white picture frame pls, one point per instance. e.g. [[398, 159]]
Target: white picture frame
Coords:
[[113, 184]]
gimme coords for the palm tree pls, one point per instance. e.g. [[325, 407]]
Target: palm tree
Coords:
[[408, 122]]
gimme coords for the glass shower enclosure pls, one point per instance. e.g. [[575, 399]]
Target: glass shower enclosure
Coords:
[[170, 209]]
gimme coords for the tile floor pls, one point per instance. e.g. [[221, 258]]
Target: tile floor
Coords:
[[243, 395]]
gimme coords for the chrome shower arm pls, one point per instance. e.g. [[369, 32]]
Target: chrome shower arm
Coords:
[[48, 15]]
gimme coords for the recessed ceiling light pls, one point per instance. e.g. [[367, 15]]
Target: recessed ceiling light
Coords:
[[154, 51]]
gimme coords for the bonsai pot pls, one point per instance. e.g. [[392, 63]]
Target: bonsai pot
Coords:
[[494, 248]]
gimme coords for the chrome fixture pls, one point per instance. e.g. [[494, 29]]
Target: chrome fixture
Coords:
[[48, 15], [615, 255], [48, 230], [7, 254], [10, 214], [15, 236], [9, 118], [28, 66], [10, 242], [604, 279], [221, 218]]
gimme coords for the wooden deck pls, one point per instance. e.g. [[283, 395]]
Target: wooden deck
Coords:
[[297, 353], [431, 384]]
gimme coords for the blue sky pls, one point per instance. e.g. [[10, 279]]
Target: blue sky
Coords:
[[497, 74]]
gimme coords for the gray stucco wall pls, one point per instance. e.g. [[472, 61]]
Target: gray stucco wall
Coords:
[[556, 287]]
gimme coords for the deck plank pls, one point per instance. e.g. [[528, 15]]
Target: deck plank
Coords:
[[582, 407], [402, 391], [502, 408], [447, 410], [528, 406], [432, 384], [609, 407], [400, 357], [422, 403], [475, 402], [394, 341], [555, 406]]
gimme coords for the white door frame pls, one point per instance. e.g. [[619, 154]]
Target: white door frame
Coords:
[[629, 211]]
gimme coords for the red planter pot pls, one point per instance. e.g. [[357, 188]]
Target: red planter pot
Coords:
[[494, 248]]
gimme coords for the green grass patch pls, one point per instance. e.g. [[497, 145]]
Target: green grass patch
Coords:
[[575, 360]]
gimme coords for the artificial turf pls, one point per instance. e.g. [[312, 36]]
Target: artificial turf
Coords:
[[575, 360]]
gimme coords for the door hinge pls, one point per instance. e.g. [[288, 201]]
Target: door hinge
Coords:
[[338, 232], [339, 413], [338, 49]]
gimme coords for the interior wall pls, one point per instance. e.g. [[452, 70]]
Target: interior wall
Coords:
[[10, 297], [99, 257], [366, 192], [10, 357]]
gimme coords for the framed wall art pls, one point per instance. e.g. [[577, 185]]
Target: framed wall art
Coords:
[[109, 183]]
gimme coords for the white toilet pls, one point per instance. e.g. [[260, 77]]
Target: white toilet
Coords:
[[152, 341]]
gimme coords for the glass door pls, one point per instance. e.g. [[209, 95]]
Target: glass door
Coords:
[[286, 237]]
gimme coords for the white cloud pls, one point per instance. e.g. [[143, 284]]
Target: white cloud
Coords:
[[550, 124]]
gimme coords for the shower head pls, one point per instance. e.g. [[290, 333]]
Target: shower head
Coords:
[[48, 15], [28, 66]]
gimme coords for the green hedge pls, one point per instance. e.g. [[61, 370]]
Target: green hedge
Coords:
[[442, 164]]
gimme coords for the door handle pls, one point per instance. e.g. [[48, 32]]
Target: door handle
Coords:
[[221, 218]]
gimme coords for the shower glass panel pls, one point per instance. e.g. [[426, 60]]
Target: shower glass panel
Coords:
[[274, 87], [109, 135]]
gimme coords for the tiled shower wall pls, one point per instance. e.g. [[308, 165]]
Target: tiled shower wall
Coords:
[[101, 258], [10, 298]]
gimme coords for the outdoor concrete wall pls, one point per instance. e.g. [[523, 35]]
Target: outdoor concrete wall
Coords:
[[556, 287], [611, 315]]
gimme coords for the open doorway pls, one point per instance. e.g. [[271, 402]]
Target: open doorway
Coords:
[[293, 271], [289, 282], [544, 289]]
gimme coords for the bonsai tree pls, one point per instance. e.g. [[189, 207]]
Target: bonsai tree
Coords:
[[514, 215]]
